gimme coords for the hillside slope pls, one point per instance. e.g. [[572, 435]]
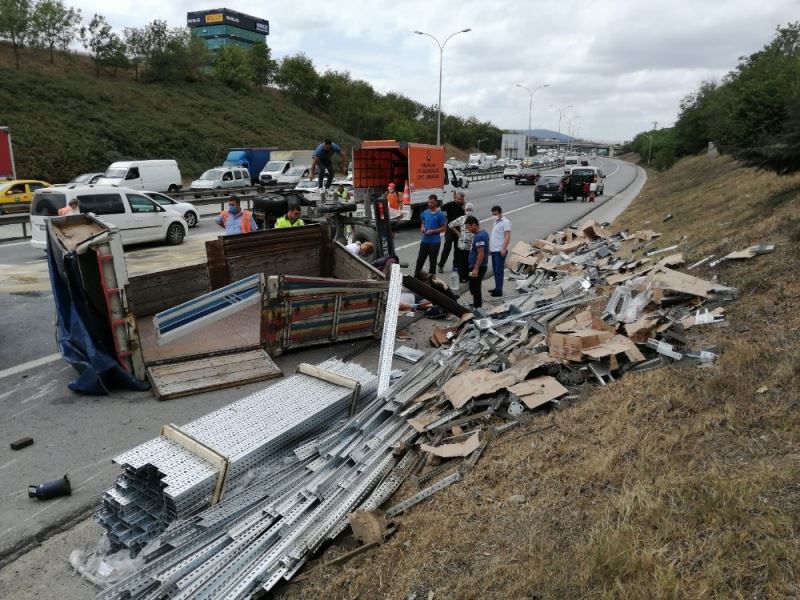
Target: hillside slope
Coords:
[[669, 483], [65, 121]]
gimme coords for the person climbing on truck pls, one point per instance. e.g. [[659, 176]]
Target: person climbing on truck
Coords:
[[323, 155]]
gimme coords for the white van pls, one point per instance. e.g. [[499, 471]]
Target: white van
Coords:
[[570, 162], [139, 218], [156, 175], [222, 178]]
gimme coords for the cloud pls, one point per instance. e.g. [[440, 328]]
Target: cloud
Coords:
[[621, 63]]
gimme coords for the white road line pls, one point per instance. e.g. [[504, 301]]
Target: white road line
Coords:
[[2, 245], [31, 364]]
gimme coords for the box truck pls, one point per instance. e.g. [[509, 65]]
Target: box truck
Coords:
[[253, 159], [377, 163]]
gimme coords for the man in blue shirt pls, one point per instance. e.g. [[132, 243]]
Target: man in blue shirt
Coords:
[[433, 222], [323, 155], [235, 220], [478, 258]]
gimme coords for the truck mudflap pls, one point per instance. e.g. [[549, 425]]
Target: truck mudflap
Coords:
[[308, 311]]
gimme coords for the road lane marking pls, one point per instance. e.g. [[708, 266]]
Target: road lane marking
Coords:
[[2, 245], [31, 364]]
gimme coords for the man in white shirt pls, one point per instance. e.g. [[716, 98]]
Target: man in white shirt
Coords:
[[498, 248]]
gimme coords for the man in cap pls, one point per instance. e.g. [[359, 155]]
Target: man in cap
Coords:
[[392, 197], [452, 210]]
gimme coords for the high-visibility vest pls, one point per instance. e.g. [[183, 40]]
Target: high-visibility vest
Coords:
[[394, 200], [247, 220], [284, 222]]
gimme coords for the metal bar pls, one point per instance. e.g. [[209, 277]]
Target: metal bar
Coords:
[[389, 329]]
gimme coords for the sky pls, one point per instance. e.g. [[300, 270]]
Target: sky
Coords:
[[613, 67]]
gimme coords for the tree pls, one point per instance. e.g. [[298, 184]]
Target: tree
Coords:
[[263, 67], [15, 24], [115, 55], [98, 39], [233, 67], [298, 79], [136, 47], [54, 25]]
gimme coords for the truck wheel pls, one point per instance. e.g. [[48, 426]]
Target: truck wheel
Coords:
[[173, 188], [367, 234], [175, 234]]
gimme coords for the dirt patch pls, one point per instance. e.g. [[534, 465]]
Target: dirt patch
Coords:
[[672, 482]]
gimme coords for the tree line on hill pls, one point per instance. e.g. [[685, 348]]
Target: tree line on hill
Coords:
[[753, 113], [159, 53]]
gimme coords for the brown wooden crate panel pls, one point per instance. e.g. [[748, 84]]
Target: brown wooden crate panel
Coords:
[[238, 331], [347, 266], [255, 365]]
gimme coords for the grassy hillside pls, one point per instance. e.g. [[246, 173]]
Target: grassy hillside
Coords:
[[65, 121], [670, 483]]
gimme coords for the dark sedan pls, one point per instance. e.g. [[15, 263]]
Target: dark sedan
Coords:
[[526, 176], [551, 187]]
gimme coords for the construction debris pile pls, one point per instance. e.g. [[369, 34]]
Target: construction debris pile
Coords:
[[294, 482]]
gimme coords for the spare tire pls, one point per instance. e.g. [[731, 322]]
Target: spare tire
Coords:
[[270, 205], [367, 234]]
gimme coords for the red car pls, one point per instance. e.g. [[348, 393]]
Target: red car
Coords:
[[526, 176]]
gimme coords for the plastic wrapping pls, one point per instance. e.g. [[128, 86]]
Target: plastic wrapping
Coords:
[[103, 567]]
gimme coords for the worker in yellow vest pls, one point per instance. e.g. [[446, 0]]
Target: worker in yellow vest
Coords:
[[291, 219]]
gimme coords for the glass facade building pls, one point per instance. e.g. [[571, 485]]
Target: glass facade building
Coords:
[[221, 28]]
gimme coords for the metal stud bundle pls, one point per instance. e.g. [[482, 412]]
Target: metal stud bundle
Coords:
[[162, 481]]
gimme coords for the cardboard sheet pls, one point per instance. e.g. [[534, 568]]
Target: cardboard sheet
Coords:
[[421, 421], [464, 448], [619, 344], [539, 390], [667, 279]]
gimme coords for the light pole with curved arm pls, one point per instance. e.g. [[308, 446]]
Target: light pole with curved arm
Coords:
[[530, 104], [439, 106], [479, 143]]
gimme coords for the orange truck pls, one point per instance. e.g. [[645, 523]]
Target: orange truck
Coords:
[[377, 163]]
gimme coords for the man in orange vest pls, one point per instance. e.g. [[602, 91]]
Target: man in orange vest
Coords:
[[73, 208], [236, 220], [393, 198]]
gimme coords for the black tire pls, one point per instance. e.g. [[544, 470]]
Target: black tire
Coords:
[[191, 219], [516, 182], [175, 234], [367, 234], [173, 188], [535, 197]]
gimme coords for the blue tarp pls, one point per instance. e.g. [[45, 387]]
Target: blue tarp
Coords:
[[84, 337]]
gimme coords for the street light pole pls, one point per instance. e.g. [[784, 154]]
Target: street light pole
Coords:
[[561, 112], [479, 143], [439, 105], [649, 147], [531, 92]]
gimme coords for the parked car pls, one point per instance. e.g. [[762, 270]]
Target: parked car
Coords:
[[158, 175], [526, 176], [139, 218], [580, 174], [294, 175], [222, 178], [551, 187], [18, 191], [186, 209], [82, 179], [511, 172]]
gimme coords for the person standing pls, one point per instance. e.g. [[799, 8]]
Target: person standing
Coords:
[[498, 247], [323, 156], [464, 243], [392, 197], [452, 210], [291, 218], [235, 220], [73, 208], [433, 223], [478, 258]]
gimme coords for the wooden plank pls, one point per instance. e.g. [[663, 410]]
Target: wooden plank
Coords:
[[218, 274], [198, 448], [335, 379], [200, 375]]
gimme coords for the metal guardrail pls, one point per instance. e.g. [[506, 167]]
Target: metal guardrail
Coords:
[[23, 219]]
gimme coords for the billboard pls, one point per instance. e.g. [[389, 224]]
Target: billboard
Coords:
[[7, 170], [224, 16]]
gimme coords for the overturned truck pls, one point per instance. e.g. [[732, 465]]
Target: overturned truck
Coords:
[[309, 290]]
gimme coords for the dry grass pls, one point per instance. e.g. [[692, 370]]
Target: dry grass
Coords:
[[672, 483]]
